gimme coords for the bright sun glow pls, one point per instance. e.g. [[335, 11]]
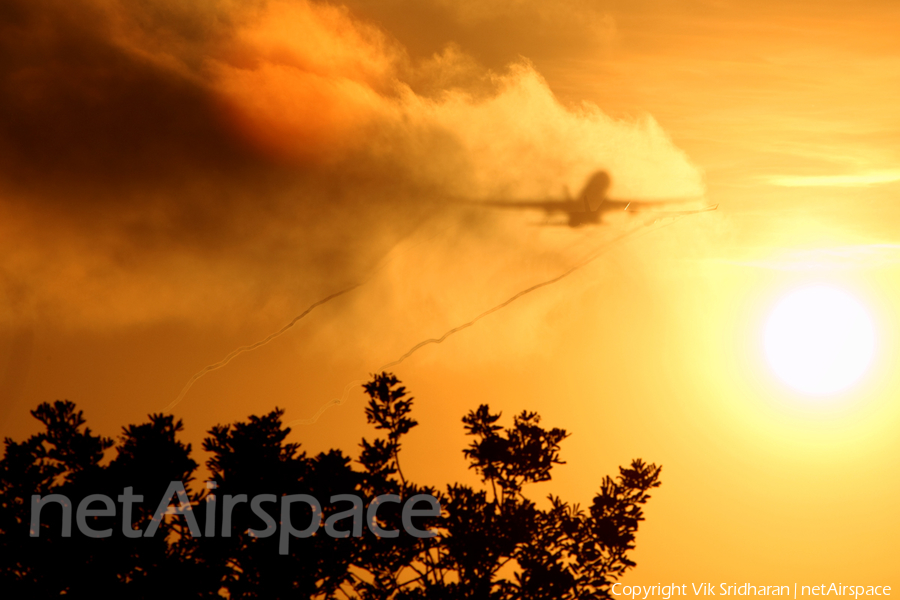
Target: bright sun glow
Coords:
[[819, 340]]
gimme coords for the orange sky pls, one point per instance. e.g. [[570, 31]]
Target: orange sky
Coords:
[[180, 180]]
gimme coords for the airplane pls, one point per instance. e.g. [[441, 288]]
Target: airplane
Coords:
[[592, 202]]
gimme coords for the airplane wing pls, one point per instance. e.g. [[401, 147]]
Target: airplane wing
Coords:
[[622, 203], [571, 206], [549, 206], [641, 208]]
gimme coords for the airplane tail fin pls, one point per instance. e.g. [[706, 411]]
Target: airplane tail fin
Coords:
[[594, 193]]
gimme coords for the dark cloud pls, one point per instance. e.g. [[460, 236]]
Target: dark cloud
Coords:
[[165, 160], [80, 108]]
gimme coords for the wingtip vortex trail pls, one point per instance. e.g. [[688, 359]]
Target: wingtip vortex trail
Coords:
[[383, 263], [327, 405], [591, 256], [254, 346]]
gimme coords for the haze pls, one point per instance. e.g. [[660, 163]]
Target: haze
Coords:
[[180, 180]]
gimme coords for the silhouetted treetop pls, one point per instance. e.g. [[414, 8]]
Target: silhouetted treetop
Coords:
[[274, 522], [524, 453]]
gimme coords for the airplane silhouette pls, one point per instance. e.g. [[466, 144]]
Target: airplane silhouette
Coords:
[[592, 202]]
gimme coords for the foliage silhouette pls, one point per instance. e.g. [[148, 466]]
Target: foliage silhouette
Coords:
[[491, 543]]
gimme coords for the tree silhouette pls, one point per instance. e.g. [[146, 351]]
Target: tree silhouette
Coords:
[[491, 543], [66, 459]]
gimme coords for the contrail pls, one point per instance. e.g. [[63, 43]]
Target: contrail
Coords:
[[597, 253], [262, 342], [591, 257], [384, 262], [329, 404]]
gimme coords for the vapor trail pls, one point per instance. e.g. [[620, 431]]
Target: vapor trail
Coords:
[[384, 262], [594, 255], [254, 346], [590, 258], [327, 405]]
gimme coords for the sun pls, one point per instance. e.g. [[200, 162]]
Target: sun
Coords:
[[819, 340]]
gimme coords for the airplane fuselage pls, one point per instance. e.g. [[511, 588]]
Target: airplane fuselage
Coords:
[[588, 207]]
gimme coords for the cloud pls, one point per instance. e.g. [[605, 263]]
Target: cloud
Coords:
[[339, 88], [167, 161], [307, 80], [496, 33]]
